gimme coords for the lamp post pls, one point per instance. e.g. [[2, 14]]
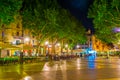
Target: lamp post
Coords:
[[66, 46], [57, 46], [27, 39], [49, 48], [46, 47], [77, 46]]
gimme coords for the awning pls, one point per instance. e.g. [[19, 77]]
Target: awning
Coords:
[[28, 47], [7, 46], [77, 50]]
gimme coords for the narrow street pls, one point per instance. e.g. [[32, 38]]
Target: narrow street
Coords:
[[72, 69]]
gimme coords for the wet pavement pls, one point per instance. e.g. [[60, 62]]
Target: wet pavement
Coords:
[[72, 69]]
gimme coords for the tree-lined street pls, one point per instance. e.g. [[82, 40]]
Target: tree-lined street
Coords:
[[55, 40]]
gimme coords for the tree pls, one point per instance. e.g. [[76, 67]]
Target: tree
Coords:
[[106, 16], [48, 21], [8, 10]]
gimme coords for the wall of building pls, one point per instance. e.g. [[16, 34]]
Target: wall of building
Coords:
[[98, 45], [14, 35]]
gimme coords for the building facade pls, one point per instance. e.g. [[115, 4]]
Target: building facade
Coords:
[[98, 45], [14, 39]]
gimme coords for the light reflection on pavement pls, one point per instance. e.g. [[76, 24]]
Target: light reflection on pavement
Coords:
[[72, 69], [80, 69]]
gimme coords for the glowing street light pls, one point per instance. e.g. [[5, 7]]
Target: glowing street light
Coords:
[[57, 47], [66, 45], [58, 44], [46, 47], [46, 43], [77, 46], [26, 39]]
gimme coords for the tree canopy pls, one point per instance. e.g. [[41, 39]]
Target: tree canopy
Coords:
[[106, 16], [47, 20], [8, 10]]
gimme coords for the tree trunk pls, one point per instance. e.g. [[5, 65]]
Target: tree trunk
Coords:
[[53, 48], [62, 47]]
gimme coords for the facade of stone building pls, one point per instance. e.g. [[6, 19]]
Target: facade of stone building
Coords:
[[98, 45], [13, 39]]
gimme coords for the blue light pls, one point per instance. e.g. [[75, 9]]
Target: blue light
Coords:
[[91, 64]]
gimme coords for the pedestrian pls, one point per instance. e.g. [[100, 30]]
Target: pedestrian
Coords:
[[21, 57]]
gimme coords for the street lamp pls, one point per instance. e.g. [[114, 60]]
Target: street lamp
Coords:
[[49, 48], [66, 46], [46, 46], [46, 43], [77, 46], [57, 47], [58, 44], [27, 39]]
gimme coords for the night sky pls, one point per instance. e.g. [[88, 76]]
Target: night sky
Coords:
[[79, 9]]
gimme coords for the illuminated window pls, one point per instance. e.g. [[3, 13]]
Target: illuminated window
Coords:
[[17, 42]]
